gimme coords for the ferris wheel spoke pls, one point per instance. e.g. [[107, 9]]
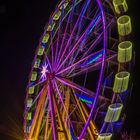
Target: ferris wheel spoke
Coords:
[[94, 44], [84, 91], [60, 96], [52, 52], [52, 111], [37, 84], [58, 37], [76, 86], [84, 17], [85, 34], [108, 24], [60, 120], [77, 56], [84, 46], [65, 108], [77, 64], [97, 40], [46, 135], [75, 26], [89, 68], [95, 15], [93, 67], [35, 100], [92, 130], [48, 61], [66, 28]]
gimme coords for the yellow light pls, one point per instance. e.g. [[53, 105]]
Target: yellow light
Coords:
[[34, 76], [124, 25], [46, 38], [104, 136], [51, 27], [31, 90], [113, 112], [65, 5], [41, 51], [121, 82], [125, 51], [120, 6], [57, 15]]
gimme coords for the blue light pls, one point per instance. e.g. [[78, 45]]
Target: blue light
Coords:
[[43, 45], [93, 59], [37, 63], [72, 135], [94, 24], [85, 98], [31, 84]]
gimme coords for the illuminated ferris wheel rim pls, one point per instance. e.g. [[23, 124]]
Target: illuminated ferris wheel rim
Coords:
[[51, 74]]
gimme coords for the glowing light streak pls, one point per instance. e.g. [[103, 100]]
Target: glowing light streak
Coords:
[[93, 59], [84, 98], [44, 71], [95, 23]]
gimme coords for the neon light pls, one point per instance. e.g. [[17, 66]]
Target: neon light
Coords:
[[86, 101], [93, 59], [96, 21], [72, 135], [84, 98]]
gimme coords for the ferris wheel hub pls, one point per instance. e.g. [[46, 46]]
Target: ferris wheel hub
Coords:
[[51, 75]]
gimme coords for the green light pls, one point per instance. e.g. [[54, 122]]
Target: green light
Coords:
[[86, 101]]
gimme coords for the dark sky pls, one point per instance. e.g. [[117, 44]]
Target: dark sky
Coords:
[[21, 25]]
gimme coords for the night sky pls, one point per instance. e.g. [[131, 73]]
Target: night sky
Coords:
[[21, 25]]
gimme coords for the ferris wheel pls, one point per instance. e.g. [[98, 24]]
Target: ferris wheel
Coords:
[[81, 74]]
